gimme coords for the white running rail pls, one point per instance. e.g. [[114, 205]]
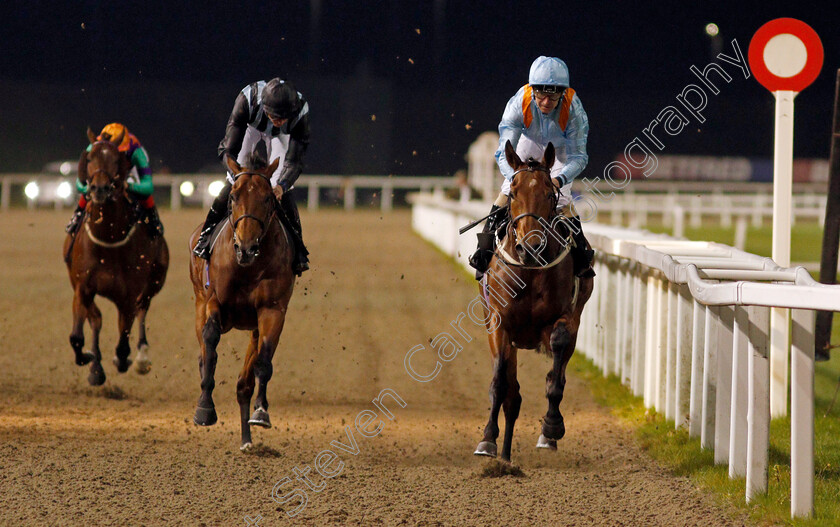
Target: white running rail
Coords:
[[686, 326]]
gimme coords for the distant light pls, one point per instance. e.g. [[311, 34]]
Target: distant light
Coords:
[[64, 189], [215, 188], [187, 188], [31, 190], [66, 168], [712, 29]]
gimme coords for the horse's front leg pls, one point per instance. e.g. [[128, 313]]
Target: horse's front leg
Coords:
[[81, 301], [271, 323], [512, 402], [245, 388], [142, 363], [562, 343], [97, 374], [500, 350], [126, 320], [211, 333]]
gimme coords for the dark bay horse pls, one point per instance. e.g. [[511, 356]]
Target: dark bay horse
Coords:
[[112, 256], [249, 286], [536, 298]]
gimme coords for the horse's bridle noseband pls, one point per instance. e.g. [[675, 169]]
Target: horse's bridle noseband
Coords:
[[263, 223]]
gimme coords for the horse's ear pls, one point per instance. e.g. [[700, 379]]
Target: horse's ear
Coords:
[[272, 167], [82, 174], [510, 154], [91, 136], [233, 166], [549, 155]]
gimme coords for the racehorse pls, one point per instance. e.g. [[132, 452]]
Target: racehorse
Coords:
[[533, 300], [246, 285], [112, 257]]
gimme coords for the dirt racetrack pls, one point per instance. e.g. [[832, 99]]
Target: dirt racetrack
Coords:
[[128, 453]]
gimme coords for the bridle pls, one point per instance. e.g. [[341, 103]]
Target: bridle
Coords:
[[554, 198], [264, 223], [511, 229]]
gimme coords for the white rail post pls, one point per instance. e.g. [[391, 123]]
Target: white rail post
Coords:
[[802, 414], [685, 330], [698, 339], [611, 284], [740, 394], [627, 322], [640, 311], [387, 198], [758, 415], [175, 195], [5, 193], [662, 321], [671, 351], [313, 196], [710, 368], [651, 339], [349, 196], [724, 384]]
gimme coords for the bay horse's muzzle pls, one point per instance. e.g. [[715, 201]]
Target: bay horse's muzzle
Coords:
[[101, 193], [246, 253]]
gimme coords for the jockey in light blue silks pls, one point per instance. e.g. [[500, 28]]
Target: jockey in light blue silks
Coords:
[[546, 110]]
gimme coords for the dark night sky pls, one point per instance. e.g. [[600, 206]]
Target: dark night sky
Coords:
[[171, 71]]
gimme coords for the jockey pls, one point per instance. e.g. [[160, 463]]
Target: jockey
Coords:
[[275, 113], [139, 180], [546, 110]]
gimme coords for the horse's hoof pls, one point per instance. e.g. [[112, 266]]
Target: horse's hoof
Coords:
[[84, 358], [205, 416], [260, 418], [554, 431], [245, 447], [96, 377], [143, 366], [122, 365], [485, 448], [544, 442]]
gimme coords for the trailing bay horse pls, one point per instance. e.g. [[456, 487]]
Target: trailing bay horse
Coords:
[[246, 285], [533, 299], [111, 256]]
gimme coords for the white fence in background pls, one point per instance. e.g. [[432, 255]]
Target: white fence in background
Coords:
[[344, 186], [686, 326]]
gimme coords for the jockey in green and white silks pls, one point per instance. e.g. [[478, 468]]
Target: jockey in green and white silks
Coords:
[[546, 110]]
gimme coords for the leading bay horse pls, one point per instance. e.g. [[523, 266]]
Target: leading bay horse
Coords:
[[533, 300], [246, 285], [113, 257]]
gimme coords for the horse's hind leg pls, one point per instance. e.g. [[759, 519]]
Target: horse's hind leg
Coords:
[[77, 335], [562, 347], [499, 349], [126, 320], [142, 363], [96, 377]]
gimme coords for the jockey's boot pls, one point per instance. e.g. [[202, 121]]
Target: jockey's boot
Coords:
[[214, 216], [152, 221], [480, 259], [75, 221], [290, 211], [582, 254]]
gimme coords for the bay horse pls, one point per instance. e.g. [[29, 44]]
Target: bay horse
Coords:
[[247, 284], [111, 256], [533, 300]]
